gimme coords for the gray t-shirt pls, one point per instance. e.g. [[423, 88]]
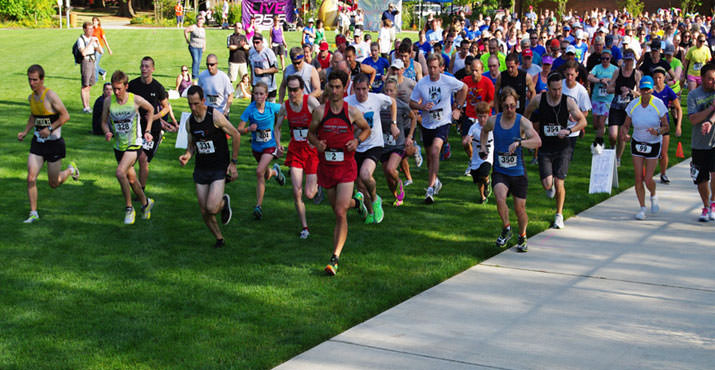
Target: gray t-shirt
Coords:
[[263, 59], [305, 72], [403, 123], [698, 101]]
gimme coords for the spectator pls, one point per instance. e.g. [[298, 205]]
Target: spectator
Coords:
[[183, 80], [237, 54], [88, 45], [97, 111], [195, 36], [99, 34], [179, 11]]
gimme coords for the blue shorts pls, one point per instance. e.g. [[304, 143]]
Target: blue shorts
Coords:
[[428, 134]]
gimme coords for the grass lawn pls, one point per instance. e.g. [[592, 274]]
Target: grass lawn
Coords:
[[79, 289]]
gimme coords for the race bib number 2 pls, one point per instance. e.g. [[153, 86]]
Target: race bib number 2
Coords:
[[333, 155]]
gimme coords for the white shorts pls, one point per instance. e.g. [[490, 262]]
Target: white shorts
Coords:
[[601, 108], [236, 71]]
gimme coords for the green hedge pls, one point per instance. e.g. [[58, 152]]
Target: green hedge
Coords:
[[27, 11]]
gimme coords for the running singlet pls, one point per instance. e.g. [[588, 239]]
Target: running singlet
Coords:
[[551, 121], [126, 123], [298, 123], [505, 163], [43, 118], [410, 71], [620, 101], [336, 130], [518, 82], [210, 143]]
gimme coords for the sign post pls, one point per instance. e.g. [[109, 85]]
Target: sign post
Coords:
[[604, 174]]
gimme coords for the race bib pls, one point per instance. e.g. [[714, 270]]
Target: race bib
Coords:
[[507, 160], [205, 147], [148, 145], [389, 139], [42, 122], [623, 99], [552, 130], [122, 127], [436, 114], [643, 148], [602, 91], [300, 134], [212, 99], [334, 155], [518, 104], [694, 172], [697, 66], [263, 136]]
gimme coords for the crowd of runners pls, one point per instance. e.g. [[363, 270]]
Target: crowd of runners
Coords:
[[510, 87]]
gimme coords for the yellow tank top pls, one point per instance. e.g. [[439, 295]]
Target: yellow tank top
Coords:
[[43, 117]]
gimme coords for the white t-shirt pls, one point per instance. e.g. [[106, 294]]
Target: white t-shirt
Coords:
[[475, 132], [216, 88], [263, 59], [439, 93], [370, 109], [580, 95], [645, 118], [362, 50], [385, 39], [533, 70]]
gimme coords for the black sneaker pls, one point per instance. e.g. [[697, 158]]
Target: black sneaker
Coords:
[[332, 267], [219, 243], [664, 179], [521, 245], [504, 238], [226, 211], [258, 212]]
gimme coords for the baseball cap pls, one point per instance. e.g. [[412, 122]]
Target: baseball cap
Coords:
[[311, 20], [357, 33], [603, 29], [555, 43], [397, 63], [567, 28], [547, 59], [659, 70], [571, 49], [606, 51], [598, 39], [669, 49], [656, 45], [340, 39], [630, 56], [324, 46], [581, 35], [527, 53], [646, 82], [626, 39], [258, 36]]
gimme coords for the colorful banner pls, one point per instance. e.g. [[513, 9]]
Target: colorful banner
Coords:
[[373, 13], [264, 10]]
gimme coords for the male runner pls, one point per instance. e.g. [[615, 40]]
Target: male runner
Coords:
[[302, 157], [701, 106], [550, 113], [433, 97], [479, 168], [153, 92], [208, 129], [369, 151], [511, 133], [123, 111], [331, 132], [47, 115]]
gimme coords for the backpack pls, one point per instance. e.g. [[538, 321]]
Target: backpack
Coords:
[[78, 57]]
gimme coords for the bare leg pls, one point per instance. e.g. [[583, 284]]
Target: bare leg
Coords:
[[143, 168], [339, 198], [56, 175], [638, 171], [664, 154], [210, 199], [367, 184], [650, 165], [263, 173], [500, 191], [84, 94], [296, 177], [520, 209], [392, 175], [560, 195], [127, 178], [433, 160], [34, 165]]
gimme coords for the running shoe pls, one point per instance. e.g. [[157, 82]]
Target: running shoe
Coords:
[[551, 193], [104, 76], [711, 215], [558, 222], [429, 197], [407, 183], [370, 219], [397, 203], [360, 199], [226, 211], [504, 238], [377, 207], [534, 161], [437, 186], [146, 209], [488, 189], [418, 156], [654, 206], [129, 215], [34, 216], [468, 171], [446, 152], [332, 267], [704, 216], [258, 212], [304, 234], [664, 179], [219, 243], [641, 214], [75, 170], [521, 246], [319, 196], [596, 149], [618, 162], [87, 110], [400, 191], [280, 177]]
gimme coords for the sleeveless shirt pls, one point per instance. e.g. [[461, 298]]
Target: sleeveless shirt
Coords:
[[210, 143]]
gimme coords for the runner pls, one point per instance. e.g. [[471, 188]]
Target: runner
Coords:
[[701, 109], [671, 100], [551, 112], [511, 133], [122, 110], [394, 150], [480, 168], [623, 86], [481, 89], [331, 132], [302, 158], [600, 76], [369, 151], [695, 59], [433, 97], [260, 117], [47, 115], [212, 168], [518, 80], [648, 116]]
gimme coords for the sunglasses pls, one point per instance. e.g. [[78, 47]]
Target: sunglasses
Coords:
[[256, 42], [184, 70], [701, 40], [606, 58], [509, 106], [293, 89], [493, 66], [211, 64]]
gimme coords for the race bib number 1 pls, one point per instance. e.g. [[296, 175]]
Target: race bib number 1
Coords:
[[332, 155], [507, 161], [205, 147], [300, 134]]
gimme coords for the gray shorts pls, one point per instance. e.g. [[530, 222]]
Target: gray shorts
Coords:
[[87, 70]]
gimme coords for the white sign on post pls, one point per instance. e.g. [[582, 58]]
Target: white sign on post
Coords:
[[182, 138], [604, 174]]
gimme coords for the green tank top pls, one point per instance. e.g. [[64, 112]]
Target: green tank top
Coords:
[[675, 63], [125, 123]]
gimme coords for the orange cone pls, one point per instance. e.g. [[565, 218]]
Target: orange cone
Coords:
[[679, 151]]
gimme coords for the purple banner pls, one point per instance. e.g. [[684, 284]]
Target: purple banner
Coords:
[[264, 10]]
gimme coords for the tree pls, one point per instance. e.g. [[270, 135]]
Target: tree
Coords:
[[634, 7], [126, 9], [689, 6], [561, 7]]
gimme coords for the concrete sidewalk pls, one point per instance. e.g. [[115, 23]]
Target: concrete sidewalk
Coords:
[[606, 292]]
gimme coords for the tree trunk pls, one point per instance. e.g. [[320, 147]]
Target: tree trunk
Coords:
[[126, 9]]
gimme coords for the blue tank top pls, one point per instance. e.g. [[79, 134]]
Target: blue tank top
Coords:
[[540, 85], [510, 165], [410, 71]]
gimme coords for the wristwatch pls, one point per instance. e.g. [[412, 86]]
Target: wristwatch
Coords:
[[234, 161]]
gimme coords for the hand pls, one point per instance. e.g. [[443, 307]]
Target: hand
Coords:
[[408, 141], [253, 127], [456, 113], [232, 171], [108, 135], [45, 133], [169, 126], [394, 131], [705, 129], [184, 159], [322, 145], [678, 131], [21, 135], [279, 151], [653, 131], [110, 51], [428, 106], [513, 146], [351, 145], [148, 137], [563, 133]]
